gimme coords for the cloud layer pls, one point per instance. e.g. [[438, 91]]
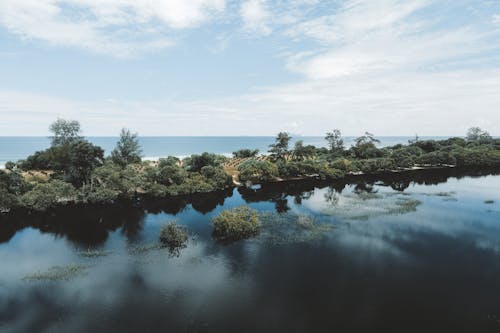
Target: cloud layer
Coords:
[[389, 66]]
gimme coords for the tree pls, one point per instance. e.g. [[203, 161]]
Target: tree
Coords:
[[245, 153], [335, 141], [84, 158], [279, 149], [65, 132], [301, 152], [476, 134], [128, 149], [365, 146]]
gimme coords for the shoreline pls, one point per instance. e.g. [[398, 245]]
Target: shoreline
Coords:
[[425, 173]]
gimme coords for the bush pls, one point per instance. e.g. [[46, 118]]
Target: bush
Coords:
[[173, 236], [437, 158], [375, 165], [216, 176], [245, 153], [309, 168], [237, 223], [194, 163], [8, 200], [257, 171], [47, 195]]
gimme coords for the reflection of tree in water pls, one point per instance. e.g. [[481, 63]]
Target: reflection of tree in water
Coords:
[[364, 187], [400, 185], [207, 202], [282, 205], [332, 196]]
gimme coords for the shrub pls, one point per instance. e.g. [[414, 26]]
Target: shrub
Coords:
[[437, 158], [216, 176], [8, 200], [173, 236], [257, 171], [237, 223], [196, 162], [375, 165], [245, 153], [47, 195]]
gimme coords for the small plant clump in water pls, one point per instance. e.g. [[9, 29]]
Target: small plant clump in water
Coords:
[[235, 224], [489, 202], [173, 236], [93, 253], [281, 229], [58, 273]]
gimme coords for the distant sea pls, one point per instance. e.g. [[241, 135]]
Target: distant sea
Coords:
[[19, 147]]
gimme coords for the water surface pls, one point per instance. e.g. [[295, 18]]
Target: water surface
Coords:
[[412, 254]]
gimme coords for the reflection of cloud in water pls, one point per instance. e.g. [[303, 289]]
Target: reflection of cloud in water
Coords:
[[127, 287]]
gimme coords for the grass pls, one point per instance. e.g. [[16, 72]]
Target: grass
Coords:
[[56, 273]]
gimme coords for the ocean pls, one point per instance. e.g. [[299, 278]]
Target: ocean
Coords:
[[19, 147]]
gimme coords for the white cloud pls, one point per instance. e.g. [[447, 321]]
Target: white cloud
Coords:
[[122, 28], [496, 18], [396, 104], [255, 15], [379, 36]]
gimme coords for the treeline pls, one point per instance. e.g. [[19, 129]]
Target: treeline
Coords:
[[78, 172], [477, 149]]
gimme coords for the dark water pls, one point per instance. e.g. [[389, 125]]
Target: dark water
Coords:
[[418, 253], [16, 148]]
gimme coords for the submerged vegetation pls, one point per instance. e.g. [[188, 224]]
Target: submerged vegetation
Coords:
[[235, 224], [56, 273], [74, 171]]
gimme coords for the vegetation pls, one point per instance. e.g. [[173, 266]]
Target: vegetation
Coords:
[[245, 153], [237, 223], [74, 171], [257, 171], [173, 236], [279, 149], [128, 150]]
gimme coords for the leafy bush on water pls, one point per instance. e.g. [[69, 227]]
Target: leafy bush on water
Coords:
[[237, 223], [173, 236]]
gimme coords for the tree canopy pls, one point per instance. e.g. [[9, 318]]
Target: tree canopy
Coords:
[[128, 150], [65, 132]]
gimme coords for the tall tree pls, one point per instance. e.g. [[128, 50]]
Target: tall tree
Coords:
[[128, 149], [65, 132], [476, 134], [279, 149], [335, 141]]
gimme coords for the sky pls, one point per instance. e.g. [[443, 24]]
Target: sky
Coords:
[[250, 67]]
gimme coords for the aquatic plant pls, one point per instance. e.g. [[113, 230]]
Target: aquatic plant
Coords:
[[173, 236], [89, 253], [237, 223], [55, 273], [289, 228], [489, 201]]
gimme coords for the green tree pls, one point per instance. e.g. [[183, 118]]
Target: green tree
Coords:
[[335, 141], [476, 134], [65, 132], [301, 152], [245, 153], [279, 149], [128, 149], [84, 158], [364, 146]]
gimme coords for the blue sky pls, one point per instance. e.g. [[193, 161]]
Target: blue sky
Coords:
[[250, 67]]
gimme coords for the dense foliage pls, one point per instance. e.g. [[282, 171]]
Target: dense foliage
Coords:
[[237, 223]]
